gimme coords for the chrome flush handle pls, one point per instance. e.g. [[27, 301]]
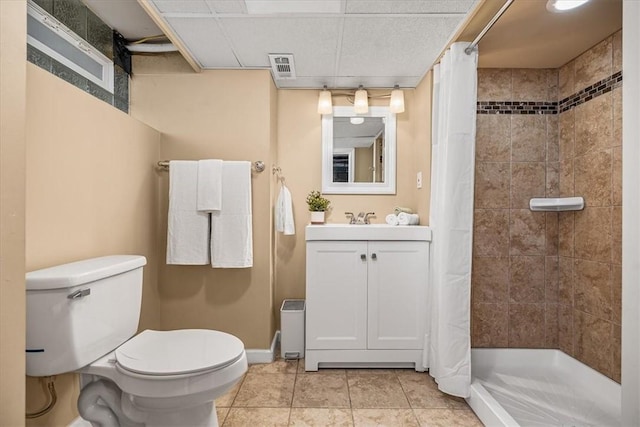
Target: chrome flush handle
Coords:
[[81, 293]]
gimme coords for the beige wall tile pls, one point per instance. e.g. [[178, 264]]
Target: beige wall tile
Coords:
[[491, 232], [593, 234], [565, 281], [566, 134], [616, 365], [551, 278], [566, 178], [527, 325], [616, 45], [566, 80], [593, 341], [616, 238], [566, 234], [592, 173], [493, 133], [594, 65], [527, 281], [492, 185], [617, 117], [565, 329], [551, 325], [594, 124], [553, 179], [551, 233], [527, 180], [490, 279], [593, 288], [616, 294], [490, 325], [528, 138], [553, 147], [617, 177], [527, 232], [494, 84], [533, 84]]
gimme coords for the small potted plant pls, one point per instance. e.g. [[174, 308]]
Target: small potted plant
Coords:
[[317, 206]]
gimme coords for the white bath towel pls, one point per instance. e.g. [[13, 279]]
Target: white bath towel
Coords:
[[209, 185], [231, 227], [408, 219], [391, 219], [187, 229], [284, 212]]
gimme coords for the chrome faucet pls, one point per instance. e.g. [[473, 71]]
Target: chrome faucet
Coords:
[[363, 218], [350, 217]]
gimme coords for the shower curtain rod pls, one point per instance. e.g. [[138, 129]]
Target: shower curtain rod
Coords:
[[487, 27], [257, 166]]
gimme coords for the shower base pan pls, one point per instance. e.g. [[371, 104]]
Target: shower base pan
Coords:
[[522, 387]]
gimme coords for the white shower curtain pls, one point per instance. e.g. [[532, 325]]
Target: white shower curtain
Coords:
[[448, 347]]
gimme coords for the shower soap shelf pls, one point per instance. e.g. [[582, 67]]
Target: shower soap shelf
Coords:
[[557, 204]]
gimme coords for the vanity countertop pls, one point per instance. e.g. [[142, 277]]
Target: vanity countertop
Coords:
[[367, 232]]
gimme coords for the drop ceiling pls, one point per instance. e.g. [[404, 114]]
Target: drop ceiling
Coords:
[[338, 43]]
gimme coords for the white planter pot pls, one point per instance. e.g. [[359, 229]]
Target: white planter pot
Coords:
[[317, 217]]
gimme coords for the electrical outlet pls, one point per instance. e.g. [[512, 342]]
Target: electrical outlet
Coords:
[[419, 180]]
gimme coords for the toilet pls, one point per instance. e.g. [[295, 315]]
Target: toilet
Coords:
[[83, 317]]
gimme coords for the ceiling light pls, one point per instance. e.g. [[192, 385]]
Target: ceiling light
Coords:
[[559, 6], [396, 104], [325, 104], [356, 120], [361, 102]]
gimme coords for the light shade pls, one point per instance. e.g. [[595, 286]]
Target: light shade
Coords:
[[361, 102], [325, 104], [564, 5], [396, 104]]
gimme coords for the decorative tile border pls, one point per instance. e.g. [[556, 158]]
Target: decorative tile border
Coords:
[[527, 107], [516, 107], [590, 92]]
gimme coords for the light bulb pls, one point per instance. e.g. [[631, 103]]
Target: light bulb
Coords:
[[564, 5], [396, 104], [325, 104]]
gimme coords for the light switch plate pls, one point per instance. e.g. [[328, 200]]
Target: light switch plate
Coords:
[[419, 180]]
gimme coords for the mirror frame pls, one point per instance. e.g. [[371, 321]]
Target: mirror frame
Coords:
[[386, 187]]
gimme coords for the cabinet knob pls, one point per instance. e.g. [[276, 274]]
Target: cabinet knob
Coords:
[[374, 256], [363, 257]]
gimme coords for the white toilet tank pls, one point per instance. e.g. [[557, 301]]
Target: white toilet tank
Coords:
[[78, 312]]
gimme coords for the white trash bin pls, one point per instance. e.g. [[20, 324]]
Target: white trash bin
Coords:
[[292, 329]]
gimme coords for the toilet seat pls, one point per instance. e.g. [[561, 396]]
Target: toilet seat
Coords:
[[176, 353]]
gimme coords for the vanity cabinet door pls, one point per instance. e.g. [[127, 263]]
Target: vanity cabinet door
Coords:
[[336, 311], [397, 296]]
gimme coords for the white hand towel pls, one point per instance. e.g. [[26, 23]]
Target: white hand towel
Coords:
[[209, 185], [392, 219], [231, 227], [187, 229], [284, 213], [399, 209], [408, 219]]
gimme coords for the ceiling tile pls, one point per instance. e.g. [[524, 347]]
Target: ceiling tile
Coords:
[[205, 40], [181, 6], [410, 6], [312, 41], [260, 7], [408, 50], [227, 6]]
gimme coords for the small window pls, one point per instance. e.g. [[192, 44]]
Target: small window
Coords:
[[54, 39]]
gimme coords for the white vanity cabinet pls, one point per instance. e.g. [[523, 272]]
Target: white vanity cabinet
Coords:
[[366, 300]]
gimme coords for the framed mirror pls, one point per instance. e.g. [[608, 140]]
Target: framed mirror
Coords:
[[359, 151]]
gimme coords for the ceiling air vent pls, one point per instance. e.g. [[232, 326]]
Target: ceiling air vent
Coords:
[[282, 66]]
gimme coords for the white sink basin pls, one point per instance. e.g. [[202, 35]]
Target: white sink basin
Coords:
[[367, 232]]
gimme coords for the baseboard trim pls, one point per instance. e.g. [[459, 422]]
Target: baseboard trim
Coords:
[[268, 355]]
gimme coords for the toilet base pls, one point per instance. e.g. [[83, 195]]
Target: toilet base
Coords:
[[198, 416]]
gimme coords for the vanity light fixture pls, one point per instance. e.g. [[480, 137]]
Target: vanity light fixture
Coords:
[[559, 6], [325, 104], [396, 104], [360, 99]]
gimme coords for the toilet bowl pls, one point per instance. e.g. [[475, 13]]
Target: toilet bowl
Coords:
[[82, 317]]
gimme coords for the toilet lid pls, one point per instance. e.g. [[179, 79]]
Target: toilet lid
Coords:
[[178, 352]]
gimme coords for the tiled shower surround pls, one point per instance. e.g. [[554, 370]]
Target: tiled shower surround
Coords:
[[540, 279]]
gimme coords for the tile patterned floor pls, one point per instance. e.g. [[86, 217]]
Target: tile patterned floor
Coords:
[[283, 394]]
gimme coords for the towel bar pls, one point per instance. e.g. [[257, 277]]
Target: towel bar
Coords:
[[257, 166]]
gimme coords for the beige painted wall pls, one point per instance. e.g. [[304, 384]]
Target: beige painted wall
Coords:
[[91, 190], [12, 207], [299, 156], [214, 114]]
